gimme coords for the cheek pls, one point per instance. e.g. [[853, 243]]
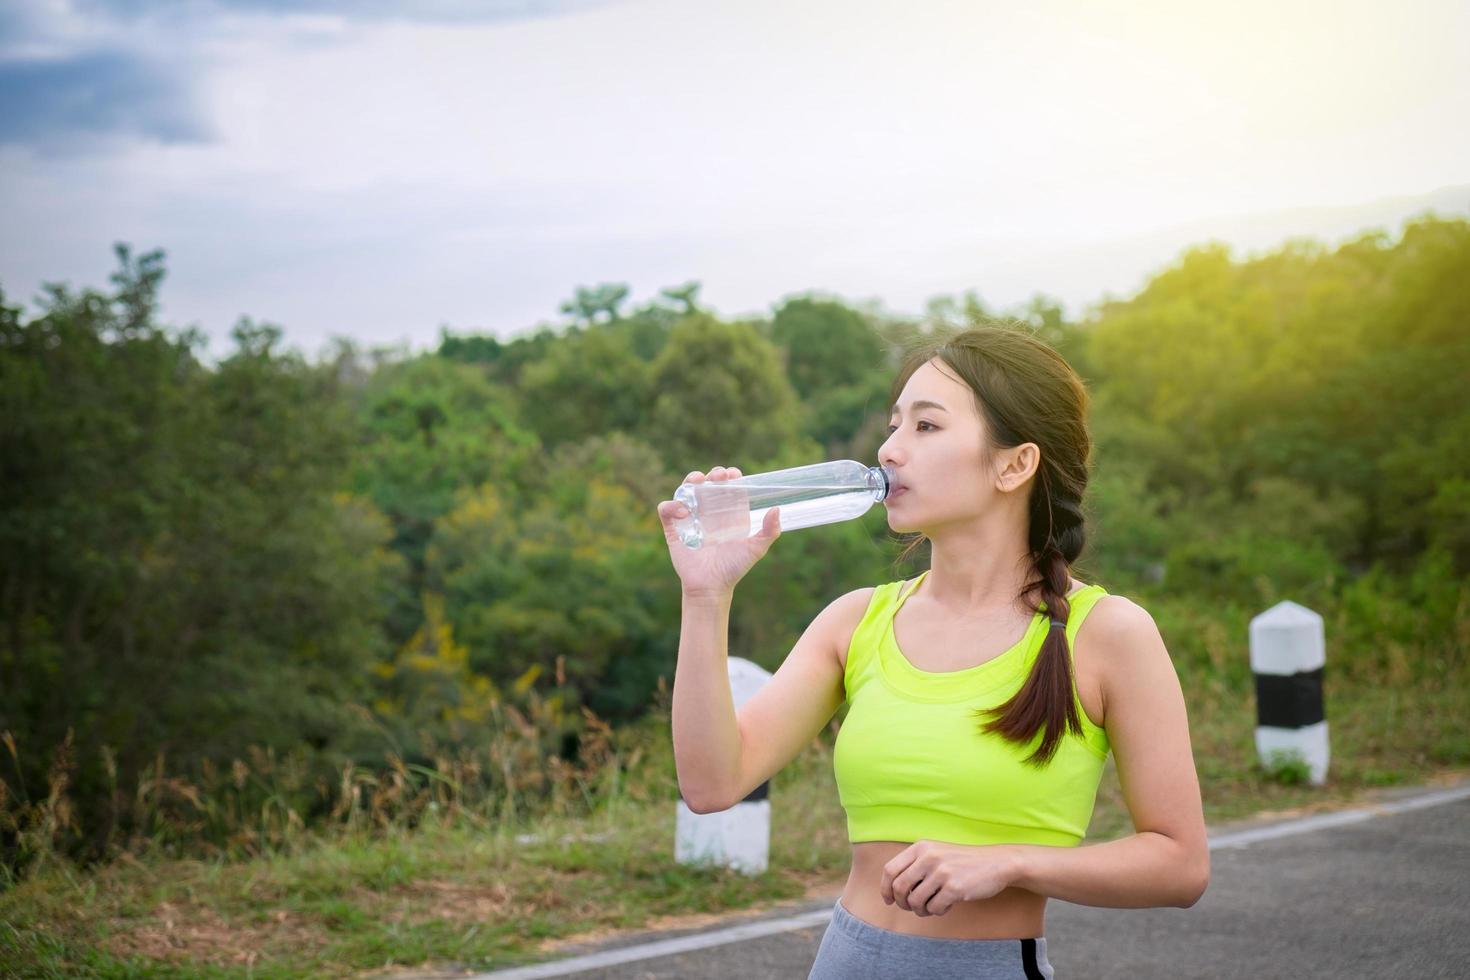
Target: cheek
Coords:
[[957, 472], [957, 456]]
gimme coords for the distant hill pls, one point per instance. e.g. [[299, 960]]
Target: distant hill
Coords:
[[1083, 274], [1135, 259], [1267, 230]]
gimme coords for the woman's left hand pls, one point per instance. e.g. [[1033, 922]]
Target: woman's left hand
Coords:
[[929, 876]]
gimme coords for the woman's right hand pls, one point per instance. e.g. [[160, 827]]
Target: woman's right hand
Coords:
[[712, 570]]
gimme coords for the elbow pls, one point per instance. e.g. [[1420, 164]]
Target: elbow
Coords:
[[702, 803], [697, 806], [1198, 883], [704, 795]]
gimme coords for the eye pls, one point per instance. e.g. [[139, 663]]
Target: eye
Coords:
[[892, 428]]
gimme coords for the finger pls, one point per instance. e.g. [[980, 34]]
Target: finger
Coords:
[[924, 891], [902, 885], [891, 871], [905, 885], [734, 472], [694, 477], [771, 524], [671, 510]]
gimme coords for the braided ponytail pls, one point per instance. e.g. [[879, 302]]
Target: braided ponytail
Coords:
[[1028, 393], [1045, 703]]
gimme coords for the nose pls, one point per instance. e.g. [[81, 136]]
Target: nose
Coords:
[[886, 454]]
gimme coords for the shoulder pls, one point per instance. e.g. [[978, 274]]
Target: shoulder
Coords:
[[848, 610], [841, 618], [1117, 627], [1117, 618], [1123, 640]]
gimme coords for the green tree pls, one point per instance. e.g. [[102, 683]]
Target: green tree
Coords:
[[429, 427], [722, 398], [501, 361], [587, 304], [586, 385], [180, 574], [827, 345], [1338, 371], [572, 580]]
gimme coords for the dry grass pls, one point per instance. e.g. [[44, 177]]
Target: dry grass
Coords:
[[462, 890]]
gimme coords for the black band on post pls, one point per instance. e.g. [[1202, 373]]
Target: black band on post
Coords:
[[1289, 700], [759, 793]]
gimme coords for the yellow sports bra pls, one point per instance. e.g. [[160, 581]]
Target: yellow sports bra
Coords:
[[911, 761]]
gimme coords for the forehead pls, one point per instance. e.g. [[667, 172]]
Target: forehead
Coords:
[[935, 381]]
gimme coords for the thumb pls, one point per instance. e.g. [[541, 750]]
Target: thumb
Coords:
[[669, 513], [771, 525]]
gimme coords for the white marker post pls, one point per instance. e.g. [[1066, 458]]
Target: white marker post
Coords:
[[739, 837], [1288, 653]]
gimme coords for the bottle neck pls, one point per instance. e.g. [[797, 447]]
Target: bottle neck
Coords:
[[881, 480]]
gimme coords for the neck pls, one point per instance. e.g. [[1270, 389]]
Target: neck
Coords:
[[981, 568]]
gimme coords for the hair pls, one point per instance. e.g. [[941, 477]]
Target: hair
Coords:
[[1026, 392]]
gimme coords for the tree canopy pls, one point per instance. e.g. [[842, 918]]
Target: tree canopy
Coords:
[[339, 556]]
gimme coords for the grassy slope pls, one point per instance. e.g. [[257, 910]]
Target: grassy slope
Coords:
[[482, 899]]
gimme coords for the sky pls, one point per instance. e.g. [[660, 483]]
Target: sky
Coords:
[[383, 170]]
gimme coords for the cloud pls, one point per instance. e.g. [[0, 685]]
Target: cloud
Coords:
[[53, 103], [430, 11], [78, 77]]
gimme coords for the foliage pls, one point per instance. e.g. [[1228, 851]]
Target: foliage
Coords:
[[402, 581], [827, 344], [589, 384], [722, 398], [182, 573], [1287, 767]]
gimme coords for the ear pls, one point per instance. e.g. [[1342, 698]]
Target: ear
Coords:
[[1018, 465]]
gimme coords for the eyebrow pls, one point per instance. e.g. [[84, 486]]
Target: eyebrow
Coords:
[[921, 404]]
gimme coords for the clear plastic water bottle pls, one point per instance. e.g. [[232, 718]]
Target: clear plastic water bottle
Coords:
[[822, 493]]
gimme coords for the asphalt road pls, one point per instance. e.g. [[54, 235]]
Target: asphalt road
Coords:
[[1365, 894]]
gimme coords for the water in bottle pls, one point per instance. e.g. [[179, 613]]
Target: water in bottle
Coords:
[[822, 493]]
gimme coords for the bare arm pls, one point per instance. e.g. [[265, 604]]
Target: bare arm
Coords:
[[1146, 870], [706, 739], [721, 756], [1166, 861]]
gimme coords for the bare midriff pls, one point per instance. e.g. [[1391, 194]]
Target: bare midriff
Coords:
[[1015, 913]]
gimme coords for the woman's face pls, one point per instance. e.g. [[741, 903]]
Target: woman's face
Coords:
[[936, 444]]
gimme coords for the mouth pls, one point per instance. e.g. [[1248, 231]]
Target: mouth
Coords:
[[897, 491]]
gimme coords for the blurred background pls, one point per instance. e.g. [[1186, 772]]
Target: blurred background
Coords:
[[346, 350]]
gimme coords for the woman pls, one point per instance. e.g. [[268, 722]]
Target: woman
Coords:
[[984, 695]]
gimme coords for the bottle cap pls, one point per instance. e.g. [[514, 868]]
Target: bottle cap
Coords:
[[890, 477]]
